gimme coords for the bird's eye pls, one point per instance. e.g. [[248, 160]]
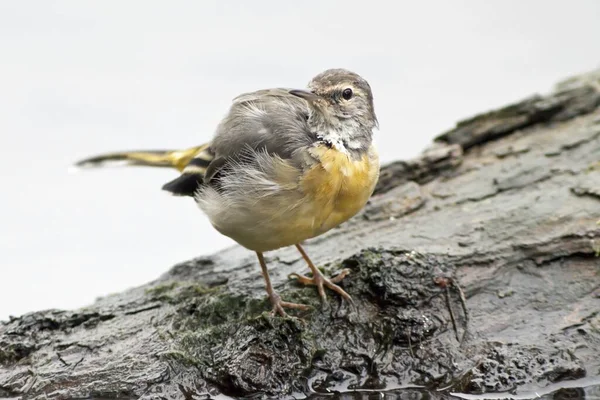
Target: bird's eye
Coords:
[[347, 94]]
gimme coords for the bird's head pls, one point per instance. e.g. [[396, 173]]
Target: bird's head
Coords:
[[341, 94], [340, 101]]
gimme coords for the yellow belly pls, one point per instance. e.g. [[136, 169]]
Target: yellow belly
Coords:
[[309, 202], [338, 186]]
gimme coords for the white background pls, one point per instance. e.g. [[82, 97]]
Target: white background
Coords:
[[78, 78]]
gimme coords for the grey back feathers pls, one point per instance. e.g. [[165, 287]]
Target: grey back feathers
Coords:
[[273, 120], [270, 120]]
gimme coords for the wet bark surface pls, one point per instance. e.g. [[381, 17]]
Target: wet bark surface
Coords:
[[502, 210]]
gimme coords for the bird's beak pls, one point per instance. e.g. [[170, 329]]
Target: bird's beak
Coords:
[[305, 94]]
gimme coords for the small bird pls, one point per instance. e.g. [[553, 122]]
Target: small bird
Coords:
[[283, 166]]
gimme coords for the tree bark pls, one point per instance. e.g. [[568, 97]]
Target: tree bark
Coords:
[[502, 209]]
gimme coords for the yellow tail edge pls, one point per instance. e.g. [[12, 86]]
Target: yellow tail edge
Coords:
[[177, 159]]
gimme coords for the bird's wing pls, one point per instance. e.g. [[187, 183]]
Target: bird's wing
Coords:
[[271, 120]]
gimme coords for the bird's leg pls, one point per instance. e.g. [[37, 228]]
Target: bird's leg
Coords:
[[319, 280], [276, 301]]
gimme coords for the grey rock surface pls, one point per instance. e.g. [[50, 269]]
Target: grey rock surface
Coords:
[[503, 209]]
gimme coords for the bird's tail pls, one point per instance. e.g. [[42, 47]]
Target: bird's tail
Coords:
[[177, 159]]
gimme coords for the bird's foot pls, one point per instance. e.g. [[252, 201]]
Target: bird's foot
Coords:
[[279, 305], [320, 281]]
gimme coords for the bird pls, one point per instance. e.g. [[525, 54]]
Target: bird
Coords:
[[284, 165]]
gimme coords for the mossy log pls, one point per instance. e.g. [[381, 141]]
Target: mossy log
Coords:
[[502, 211]]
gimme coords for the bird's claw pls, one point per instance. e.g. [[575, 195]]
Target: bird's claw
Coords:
[[320, 281], [279, 305]]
